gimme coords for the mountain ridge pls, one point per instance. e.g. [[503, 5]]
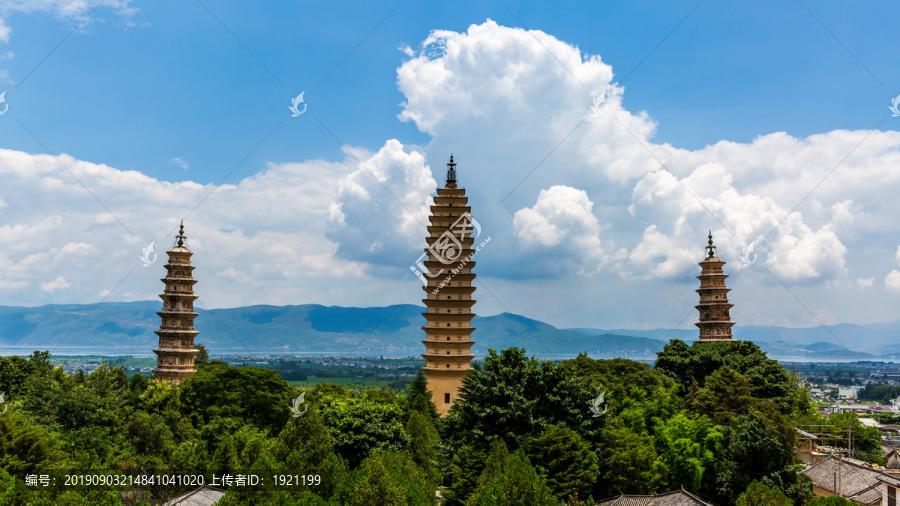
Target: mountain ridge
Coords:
[[396, 329]]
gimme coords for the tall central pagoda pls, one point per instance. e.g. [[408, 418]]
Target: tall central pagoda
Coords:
[[448, 328], [715, 322], [175, 355]]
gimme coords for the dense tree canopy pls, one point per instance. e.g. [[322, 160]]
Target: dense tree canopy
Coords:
[[568, 462], [769, 379], [512, 396], [510, 480], [691, 449], [257, 396], [829, 501], [360, 426], [758, 494], [15, 370], [718, 421]]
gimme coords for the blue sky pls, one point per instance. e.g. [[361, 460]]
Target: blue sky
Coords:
[[153, 104], [169, 81]]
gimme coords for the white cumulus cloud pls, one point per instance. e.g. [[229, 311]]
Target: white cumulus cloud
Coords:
[[59, 283], [561, 219], [380, 210]]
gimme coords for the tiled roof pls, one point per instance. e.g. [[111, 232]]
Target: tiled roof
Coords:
[[871, 495], [891, 479], [855, 478], [203, 496], [676, 498], [628, 500]]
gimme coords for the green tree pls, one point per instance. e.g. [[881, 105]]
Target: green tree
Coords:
[[7, 487], [149, 435], [423, 438], [386, 478], [14, 370], [699, 361], [513, 483], [758, 494], [512, 396], [159, 396], [188, 455], [303, 447], [333, 390], [753, 451], [628, 464], [254, 395], [360, 426], [692, 451], [634, 393], [73, 498], [101, 400], [220, 428], [495, 461], [565, 460], [250, 444], [419, 398], [225, 458], [625, 381], [202, 357], [137, 383], [829, 501], [180, 424], [306, 446], [725, 396], [465, 470], [25, 448]]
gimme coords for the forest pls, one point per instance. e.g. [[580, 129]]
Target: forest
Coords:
[[718, 419]]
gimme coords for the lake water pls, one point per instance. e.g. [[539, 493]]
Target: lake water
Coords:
[[144, 352]]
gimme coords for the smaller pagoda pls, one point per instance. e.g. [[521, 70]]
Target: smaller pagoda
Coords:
[[175, 355], [715, 321]]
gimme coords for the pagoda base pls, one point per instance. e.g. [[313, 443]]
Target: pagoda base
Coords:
[[173, 377], [444, 385]]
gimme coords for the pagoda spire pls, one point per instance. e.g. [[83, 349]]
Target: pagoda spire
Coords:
[[181, 237], [710, 247], [448, 318], [451, 173], [715, 321], [175, 355]]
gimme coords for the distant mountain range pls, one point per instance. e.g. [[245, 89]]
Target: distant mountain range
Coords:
[[127, 327]]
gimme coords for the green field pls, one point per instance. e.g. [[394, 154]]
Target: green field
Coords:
[[355, 372], [355, 383]]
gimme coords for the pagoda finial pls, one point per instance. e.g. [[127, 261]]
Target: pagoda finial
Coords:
[[451, 172], [180, 235], [710, 248]]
